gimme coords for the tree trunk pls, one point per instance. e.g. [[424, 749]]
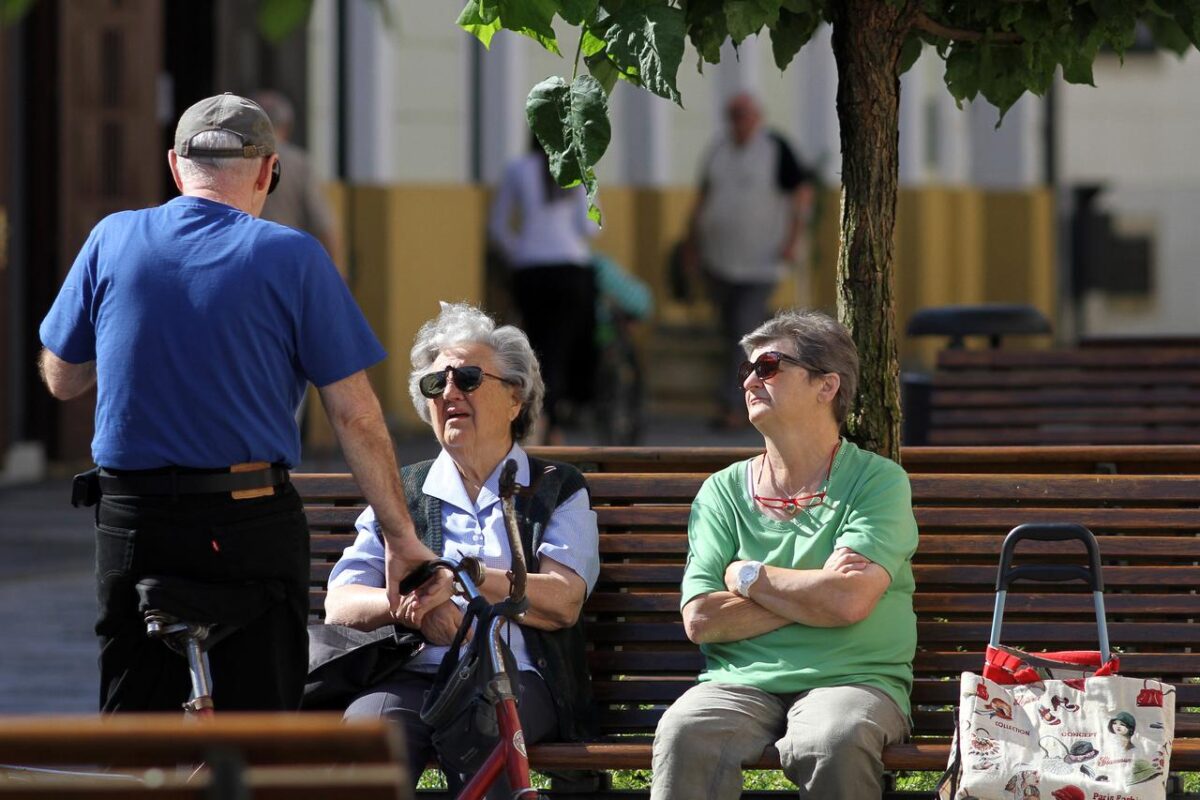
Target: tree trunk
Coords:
[[867, 38]]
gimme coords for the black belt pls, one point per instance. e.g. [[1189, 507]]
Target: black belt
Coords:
[[182, 482]]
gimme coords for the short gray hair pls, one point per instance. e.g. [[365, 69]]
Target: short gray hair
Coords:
[[821, 342], [201, 170], [463, 323]]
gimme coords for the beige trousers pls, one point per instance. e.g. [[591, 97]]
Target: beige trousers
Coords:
[[830, 741]]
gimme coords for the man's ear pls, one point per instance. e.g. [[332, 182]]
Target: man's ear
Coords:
[[173, 161], [263, 181]]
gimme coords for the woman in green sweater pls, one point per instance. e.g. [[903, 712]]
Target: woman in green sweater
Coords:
[[798, 588]]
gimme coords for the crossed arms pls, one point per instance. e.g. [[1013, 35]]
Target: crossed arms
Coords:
[[842, 592]]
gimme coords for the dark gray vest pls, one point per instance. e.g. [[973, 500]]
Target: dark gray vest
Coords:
[[559, 655]]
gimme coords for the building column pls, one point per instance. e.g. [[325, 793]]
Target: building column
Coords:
[[817, 122], [1011, 156], [501, 130], [370, 142], [644, 127]]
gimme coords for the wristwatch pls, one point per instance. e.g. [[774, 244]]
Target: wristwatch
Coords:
[[747, 574]]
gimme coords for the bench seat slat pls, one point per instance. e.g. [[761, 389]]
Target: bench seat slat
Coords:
[[1132, 490], [1067, 415], [925, 754], [1127, 358], [1109, 434], [1038, 379], [1150, 635], [1077, 459]]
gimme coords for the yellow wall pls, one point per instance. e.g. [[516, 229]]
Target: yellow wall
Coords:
[[413, 245]]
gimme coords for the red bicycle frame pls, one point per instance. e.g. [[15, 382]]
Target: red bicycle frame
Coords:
[[509, 755]]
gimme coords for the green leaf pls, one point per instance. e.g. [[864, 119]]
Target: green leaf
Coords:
[[706, 28], [577, 12], [592, 43], [747, 17], [603, 70], [532, 18], [962, 72], [1004, 76], [910, 52], [648, 41], [571, 122], [791, 32], [278, 18], [12, 10], [1169, 35], [1078, 58], [471, 20]]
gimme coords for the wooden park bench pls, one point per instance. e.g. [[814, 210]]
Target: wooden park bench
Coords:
[[1102, 395], [641, 661], [264, 756]]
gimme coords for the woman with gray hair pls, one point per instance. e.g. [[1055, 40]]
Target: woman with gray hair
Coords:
[[798, 588], [480, 388]]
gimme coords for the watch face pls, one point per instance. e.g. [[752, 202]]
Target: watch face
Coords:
[[747, 575]]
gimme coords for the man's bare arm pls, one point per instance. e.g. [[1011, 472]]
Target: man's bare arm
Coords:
[[65, 380], [357, 420]]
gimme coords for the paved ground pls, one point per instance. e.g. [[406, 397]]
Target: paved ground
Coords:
[[47, 648]]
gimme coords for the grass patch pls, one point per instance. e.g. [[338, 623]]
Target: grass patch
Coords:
[[760, 780]]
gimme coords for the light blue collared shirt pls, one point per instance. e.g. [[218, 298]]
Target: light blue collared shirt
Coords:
[[477, 529]]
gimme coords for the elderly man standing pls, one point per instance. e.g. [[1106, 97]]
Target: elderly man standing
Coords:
[[754, 202], [200, 326]]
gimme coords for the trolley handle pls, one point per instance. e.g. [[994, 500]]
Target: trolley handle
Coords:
[[1050, 532], [1091, 574]]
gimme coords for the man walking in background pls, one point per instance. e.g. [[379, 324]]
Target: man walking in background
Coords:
[[298, 202], [754, 203]]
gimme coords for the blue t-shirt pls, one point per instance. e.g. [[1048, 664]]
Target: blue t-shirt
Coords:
[[205, 324]]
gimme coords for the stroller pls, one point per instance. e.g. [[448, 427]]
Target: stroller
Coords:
[[1060, 725]]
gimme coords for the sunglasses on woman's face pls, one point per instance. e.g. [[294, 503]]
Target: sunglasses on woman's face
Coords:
[[467, 379], [766, 365]]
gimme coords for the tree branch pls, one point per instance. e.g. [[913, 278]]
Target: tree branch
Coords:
[[924, 23]]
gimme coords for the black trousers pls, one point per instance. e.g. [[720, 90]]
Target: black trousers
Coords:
[[741, 307], [558, 311], [401, 698], [209, 537]]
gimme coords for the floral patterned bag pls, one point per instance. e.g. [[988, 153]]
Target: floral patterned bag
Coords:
[[1060, 725], [1083, 738]]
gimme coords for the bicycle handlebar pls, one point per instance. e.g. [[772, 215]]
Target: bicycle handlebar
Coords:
[[471, 567], [508, 496]]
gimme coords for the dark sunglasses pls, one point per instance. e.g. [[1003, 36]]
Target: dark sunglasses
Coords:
[[467, 379], [767, 365]]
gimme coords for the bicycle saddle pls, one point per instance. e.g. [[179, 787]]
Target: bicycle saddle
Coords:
[[207, 602]]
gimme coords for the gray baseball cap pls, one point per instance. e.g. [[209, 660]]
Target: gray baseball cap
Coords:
[[226, 112]]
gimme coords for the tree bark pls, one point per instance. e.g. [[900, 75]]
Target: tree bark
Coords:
[[867, 39]]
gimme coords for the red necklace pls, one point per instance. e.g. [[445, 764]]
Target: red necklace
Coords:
[[798, 502]]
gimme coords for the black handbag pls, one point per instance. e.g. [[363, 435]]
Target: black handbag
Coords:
[[343, 662]]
